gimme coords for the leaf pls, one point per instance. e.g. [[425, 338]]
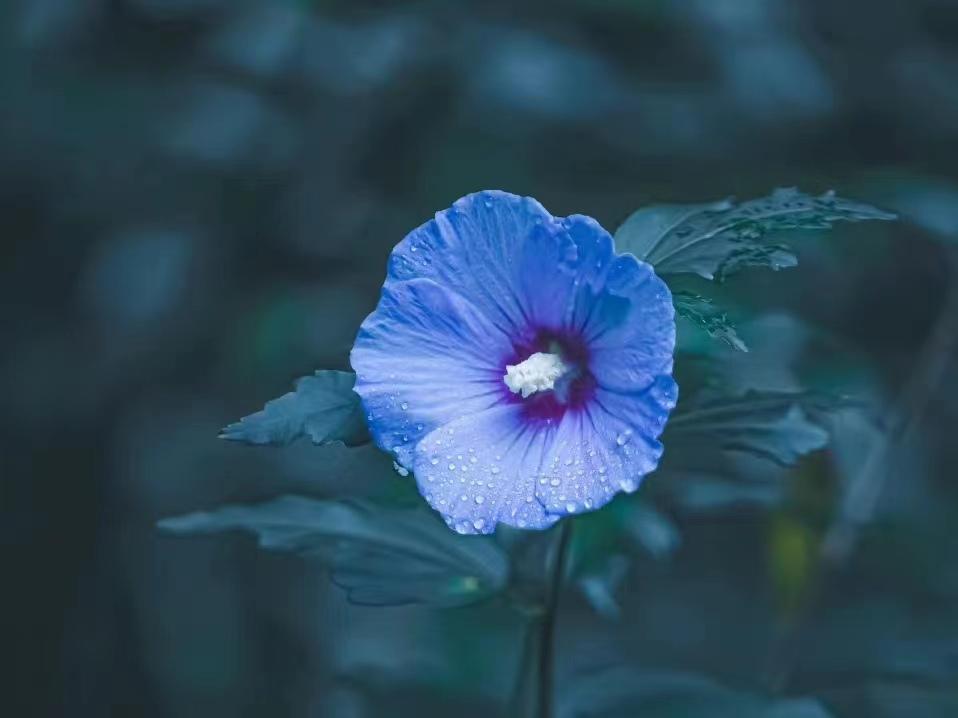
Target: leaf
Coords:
[[773, 425], [701, 312], [626, 692], [381, 556], [718, 238], [323, 407]]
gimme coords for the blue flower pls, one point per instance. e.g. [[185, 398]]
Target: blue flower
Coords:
[[517, 365]]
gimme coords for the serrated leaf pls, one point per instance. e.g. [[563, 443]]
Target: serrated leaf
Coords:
[[773, 425], [703, 313], [323, 407], [381, 556], [625, 692], [718, 238]]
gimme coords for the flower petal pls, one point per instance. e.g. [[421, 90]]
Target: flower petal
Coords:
[[631, 346], [493, 466], [482, 469], [608, 448], [422, 359], [505, 254]]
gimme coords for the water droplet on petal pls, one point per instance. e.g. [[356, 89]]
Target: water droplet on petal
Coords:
[[570, 507], [479, 499], [623, 438]]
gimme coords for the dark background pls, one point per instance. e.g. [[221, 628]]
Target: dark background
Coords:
[[198, 198]]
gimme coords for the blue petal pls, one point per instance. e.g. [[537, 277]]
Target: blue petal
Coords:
[[481, 469], [492, 466], [422, 359], [631, 347], [503, 253], [607, 449]]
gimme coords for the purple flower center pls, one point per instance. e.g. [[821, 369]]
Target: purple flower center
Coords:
[[572, 391]]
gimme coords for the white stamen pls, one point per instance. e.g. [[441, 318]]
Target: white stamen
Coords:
[[539, 372]]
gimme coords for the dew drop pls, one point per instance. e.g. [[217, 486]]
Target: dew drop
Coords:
[[452, 467], [479, 523], [570, 507], [555, 482], [623, 438], [479, 499]]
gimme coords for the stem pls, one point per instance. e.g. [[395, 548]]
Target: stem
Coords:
[[548, 622]]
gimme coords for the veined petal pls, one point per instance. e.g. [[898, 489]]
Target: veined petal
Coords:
[[422, 359], [504, 254], [607, 448], [481, 470]]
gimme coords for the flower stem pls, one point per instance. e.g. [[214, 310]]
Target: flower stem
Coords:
[[546, 658]]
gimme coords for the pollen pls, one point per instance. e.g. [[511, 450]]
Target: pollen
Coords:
[[539, 372]]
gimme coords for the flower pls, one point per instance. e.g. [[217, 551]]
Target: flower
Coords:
[[517, 365]]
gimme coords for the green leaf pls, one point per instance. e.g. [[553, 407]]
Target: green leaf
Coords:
[[323, 407], [773, 425], [719, 238], [381, 556], [626, 692], [701, 312]]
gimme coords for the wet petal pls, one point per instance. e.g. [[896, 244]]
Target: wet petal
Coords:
[[422, 359]]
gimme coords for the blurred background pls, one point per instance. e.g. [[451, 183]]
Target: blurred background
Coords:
[[198, 198]]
